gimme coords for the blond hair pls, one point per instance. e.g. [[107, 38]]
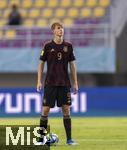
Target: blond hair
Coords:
[[56, 24]]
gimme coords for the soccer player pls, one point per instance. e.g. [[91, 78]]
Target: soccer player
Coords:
[[58, 54]]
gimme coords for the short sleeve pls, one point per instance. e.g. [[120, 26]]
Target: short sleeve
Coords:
[[71, 55], [43, 55]]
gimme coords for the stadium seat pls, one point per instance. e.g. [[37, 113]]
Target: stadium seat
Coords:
[[65, 3], [68, 22], [91, 3], [17, 2], [3, 4], [27, 3], [98, 12], [24, 13], [60, 12], [10, 34], [47, 13], [104, 3], [85, 13], [73, 12], [52, 3], [3, 22], [34, 13], [28, 23], [6, 13], [78, 3], [42, 23], [39, 3]]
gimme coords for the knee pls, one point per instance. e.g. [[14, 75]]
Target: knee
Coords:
[[45, 111], [66, 111]]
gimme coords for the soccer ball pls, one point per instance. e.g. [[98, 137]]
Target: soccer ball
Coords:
[[52, 139]]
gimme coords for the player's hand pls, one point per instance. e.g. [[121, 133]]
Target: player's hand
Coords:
[[75, 88], [39, 86]]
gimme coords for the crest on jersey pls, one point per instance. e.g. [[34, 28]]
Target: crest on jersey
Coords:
[[65, 49]]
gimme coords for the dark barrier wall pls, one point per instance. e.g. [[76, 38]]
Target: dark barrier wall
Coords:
[[26, 102]]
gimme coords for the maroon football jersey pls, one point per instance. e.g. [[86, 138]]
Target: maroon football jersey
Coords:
[[57, 57]]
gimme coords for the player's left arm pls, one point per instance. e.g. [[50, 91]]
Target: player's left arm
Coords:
[[74, 76]]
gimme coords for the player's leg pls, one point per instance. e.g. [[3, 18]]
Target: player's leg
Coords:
[[64, 101], [67, 124], [67, 120], [44, 119], [43, 125], [48, 102]]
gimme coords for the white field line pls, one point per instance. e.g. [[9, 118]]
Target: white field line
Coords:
[[101, 140], [94, 125]]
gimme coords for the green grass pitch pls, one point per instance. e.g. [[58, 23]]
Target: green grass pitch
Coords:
[[91, 133]]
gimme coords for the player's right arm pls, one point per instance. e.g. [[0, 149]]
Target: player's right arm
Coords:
[[43, 58], [39, 75]]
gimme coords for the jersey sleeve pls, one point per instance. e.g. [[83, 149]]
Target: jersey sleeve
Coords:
[[43, 56], [71, 55]]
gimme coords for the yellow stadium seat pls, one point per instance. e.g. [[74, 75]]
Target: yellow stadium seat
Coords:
[[60, 12], [10, 34], [99, 12], [27, 3], [6, 13], [68, 22], [104, 3], [24, 13], [47, 12], [85, 13], [34, 13], [91, 3], [3, 22], [73, 12], [29, 23], [52, 3], [65, 3], [3, 4], [39, 3], [78, 3], [17, 2], [42, 23]]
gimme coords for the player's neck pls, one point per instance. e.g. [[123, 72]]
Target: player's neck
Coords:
[[58, 39]]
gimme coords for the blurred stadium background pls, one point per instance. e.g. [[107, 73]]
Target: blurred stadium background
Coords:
[[98, 31]]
